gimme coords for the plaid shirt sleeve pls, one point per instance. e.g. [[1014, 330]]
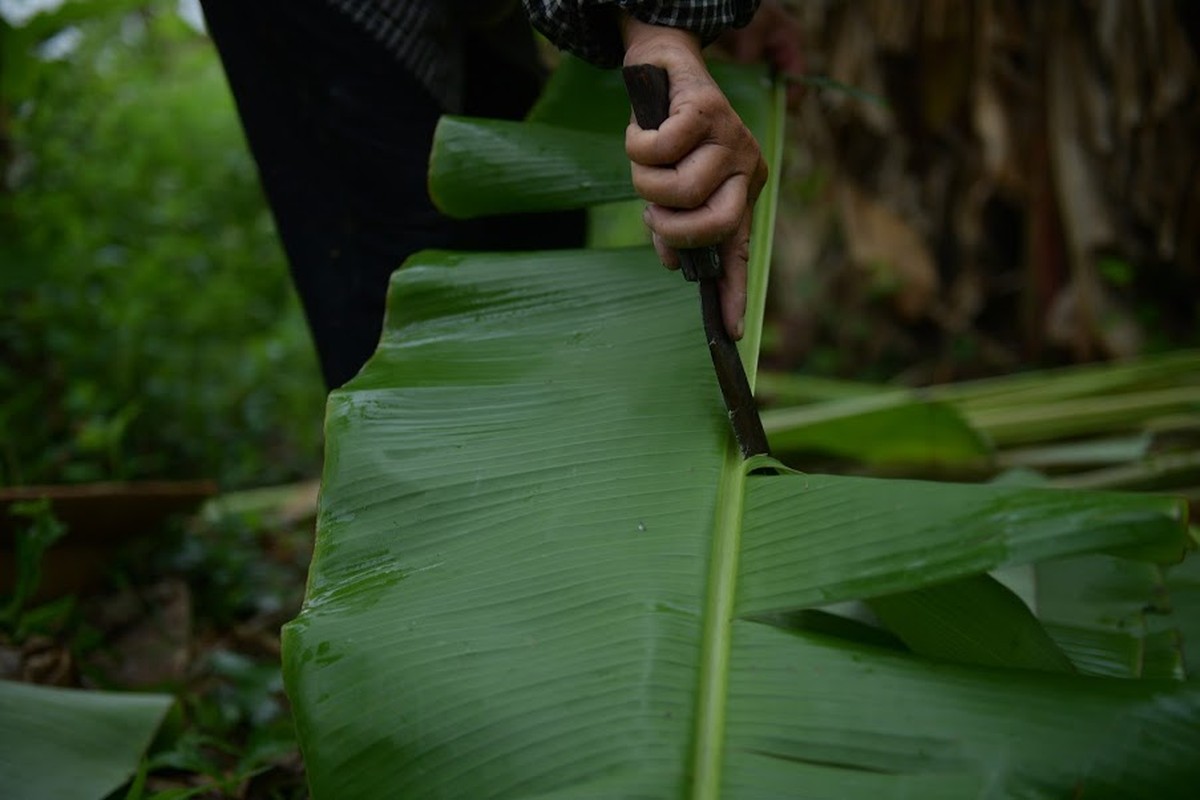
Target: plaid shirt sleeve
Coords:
[[588, 28], [420, 34]]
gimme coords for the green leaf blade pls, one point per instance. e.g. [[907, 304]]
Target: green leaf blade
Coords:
[[817, 701], [68, 744], [583, 97], [974, 620], [497, 560], [887, 430], [483, 166], [570, 153], [1119, 617], [866, 537]]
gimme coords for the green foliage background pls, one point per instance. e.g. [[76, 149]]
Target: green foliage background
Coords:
[[149, 328]]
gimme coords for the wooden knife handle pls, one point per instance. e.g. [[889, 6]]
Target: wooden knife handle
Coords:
[[649, 91]]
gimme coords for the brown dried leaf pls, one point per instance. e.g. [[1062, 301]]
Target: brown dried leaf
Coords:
[[879, 239]]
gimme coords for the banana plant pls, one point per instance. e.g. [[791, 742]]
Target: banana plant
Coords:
[[543, 570], [71, 744]]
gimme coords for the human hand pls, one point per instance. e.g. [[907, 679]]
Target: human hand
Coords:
[[701, 171], [774, 37]]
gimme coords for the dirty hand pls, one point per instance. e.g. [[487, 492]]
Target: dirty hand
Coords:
[[701, 171]]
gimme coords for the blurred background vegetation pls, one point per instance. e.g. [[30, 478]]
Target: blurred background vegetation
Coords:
[[149, 331], [149, 326], [1021, 188]]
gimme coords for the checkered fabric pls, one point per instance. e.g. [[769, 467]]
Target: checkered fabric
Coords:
[[419, 34], [424, 36], [587, 29]]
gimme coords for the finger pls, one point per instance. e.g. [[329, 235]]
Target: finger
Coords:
[[693, 114], [735, 257], [666, 254], [690, 183], [651, 149], [714, 221]]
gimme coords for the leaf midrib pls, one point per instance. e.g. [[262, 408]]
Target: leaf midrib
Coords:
[[716, 639], [721, 586]]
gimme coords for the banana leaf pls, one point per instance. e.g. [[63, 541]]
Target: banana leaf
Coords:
[[567, 154], [1183, 587], [1117, 617], [1018, 409], [67, 743], [881, 431], [543, 571], [535, 561]]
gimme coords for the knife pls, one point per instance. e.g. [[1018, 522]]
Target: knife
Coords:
[[649, 94]]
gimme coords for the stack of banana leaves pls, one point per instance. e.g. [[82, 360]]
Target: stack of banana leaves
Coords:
[[543, 569]]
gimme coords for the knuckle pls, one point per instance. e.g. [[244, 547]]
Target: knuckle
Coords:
[[710, 99], [631, 140], [726, 221], [643, 184], [693, 190], [673, 235], [747, 146]]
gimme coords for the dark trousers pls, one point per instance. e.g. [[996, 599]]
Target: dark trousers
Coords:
[[341, 134]]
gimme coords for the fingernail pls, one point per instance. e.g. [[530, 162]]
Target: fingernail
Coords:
[[739, 329]]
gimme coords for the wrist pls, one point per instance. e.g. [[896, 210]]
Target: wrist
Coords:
[[644, 41]]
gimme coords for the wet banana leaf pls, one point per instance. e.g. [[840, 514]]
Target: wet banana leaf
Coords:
[[956, 622], [543, 571], [1183, 586], [879, 431], [539, 553], [1118, 617], [568, 154], [485, 166]]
